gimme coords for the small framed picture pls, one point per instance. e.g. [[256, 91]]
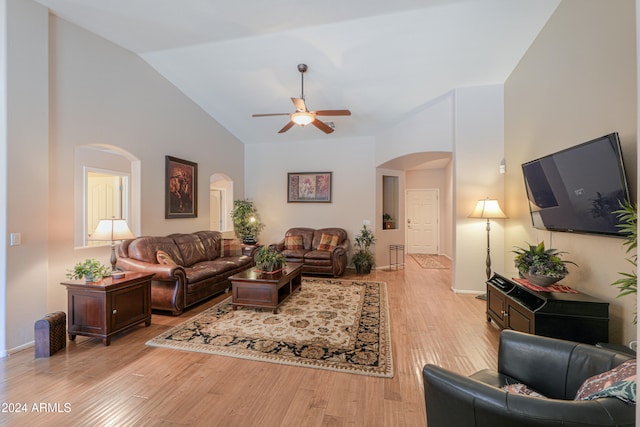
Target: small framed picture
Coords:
[[181, 188], [310, 187]]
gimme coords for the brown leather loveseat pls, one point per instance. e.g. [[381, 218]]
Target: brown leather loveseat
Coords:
[[322, 251], [188, 268]]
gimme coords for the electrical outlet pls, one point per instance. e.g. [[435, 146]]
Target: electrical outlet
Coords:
[[366, 222]]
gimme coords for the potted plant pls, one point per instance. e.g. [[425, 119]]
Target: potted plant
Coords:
[[628, 283], [269, 260], [90, 269], [387, 221], [363, 259], [541, 266], [246, 221]]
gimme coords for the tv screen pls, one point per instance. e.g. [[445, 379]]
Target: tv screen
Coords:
[[578, 189]]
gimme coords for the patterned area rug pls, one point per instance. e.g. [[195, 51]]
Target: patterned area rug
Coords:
[[340, 325], [427, 261]]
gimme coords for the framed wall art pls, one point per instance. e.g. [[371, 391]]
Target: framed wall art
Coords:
[[181, 188], [313, 187]]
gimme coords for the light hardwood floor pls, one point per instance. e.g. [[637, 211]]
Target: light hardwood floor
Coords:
[[130, 384]]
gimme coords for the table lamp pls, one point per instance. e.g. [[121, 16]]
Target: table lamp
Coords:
[[112, 230], [489, 209]]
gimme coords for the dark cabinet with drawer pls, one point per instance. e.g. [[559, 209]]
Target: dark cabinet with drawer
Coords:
[[571, 316]]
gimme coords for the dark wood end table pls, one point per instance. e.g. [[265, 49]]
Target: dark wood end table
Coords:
[[103, 308], [254, 288]]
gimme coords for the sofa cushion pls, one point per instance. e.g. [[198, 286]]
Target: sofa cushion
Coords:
[[293, 243], [334, 231], [231, 247], [164, 258], [146, 248], [597, 383], [211, 240], [328, 242], [191, 248], [306, 233], [314, 255]]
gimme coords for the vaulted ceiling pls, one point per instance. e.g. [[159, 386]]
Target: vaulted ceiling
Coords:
[[380, 59]]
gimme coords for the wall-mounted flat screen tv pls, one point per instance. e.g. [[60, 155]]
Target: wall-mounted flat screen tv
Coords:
[[578, 189]]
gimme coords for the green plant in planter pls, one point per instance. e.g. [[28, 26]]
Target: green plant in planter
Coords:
[[268, 259], [246, 221], [536, 260], [363, 259], [90, 269], [628, 283]]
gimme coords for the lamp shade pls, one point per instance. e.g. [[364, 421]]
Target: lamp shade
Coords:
[[487, 208], [112, 229]]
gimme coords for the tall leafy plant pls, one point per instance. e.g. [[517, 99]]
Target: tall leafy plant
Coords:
[[363, 259], [246, 221], [628, 283]]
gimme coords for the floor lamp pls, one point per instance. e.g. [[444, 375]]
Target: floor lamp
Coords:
[[110, 230], [488, 209]]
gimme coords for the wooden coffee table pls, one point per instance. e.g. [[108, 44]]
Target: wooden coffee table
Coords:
[[253, 288]]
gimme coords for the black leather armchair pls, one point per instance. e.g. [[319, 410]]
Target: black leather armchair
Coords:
[[553, 367]]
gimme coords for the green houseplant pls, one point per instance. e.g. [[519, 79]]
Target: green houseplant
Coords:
[[541, 266], [628, 283], [269, 260], [363, 259], [246, 221], [89, 269]]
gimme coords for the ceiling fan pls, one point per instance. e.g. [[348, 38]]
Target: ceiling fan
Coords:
[[302, 116]]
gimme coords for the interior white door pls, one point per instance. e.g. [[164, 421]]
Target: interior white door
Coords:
[[422, 221]]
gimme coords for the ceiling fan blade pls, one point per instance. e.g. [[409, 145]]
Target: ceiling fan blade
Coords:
[[269, 114], [286, 127], [322, 126], [332, 113], [299, 104]]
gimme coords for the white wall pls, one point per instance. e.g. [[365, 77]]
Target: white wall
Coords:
[[428, 129], [352, 164], [577, 81], [88, 91], [26, 194], [478, 151], [3, 182]]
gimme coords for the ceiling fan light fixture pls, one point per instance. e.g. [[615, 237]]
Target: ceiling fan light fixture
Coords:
[[302, 118]]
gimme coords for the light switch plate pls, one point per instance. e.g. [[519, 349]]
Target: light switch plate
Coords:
[[16, 239]]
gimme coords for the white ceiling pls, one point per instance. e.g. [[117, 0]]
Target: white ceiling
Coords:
[[381, 59]]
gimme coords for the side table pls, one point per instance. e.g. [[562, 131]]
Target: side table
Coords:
[[103, 308], [396, 248]]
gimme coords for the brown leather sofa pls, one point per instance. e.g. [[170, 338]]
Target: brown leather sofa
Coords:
[[188, 268], [315, 260]]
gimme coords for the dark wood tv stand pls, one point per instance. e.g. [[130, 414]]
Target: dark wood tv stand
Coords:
[[571, 316]]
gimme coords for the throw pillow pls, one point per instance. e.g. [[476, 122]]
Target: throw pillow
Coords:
[[164, 258], [293, 243], [519, 388], [231, 247], [624, 390], [328, 242], [598, 383]]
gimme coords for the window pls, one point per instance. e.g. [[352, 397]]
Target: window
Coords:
[[106, 196]]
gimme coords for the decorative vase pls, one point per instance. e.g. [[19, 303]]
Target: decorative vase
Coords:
[[540, 280]]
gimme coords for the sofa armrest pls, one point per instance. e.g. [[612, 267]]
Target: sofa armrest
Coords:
[[161, 271], [279, 247], [454, 400]]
